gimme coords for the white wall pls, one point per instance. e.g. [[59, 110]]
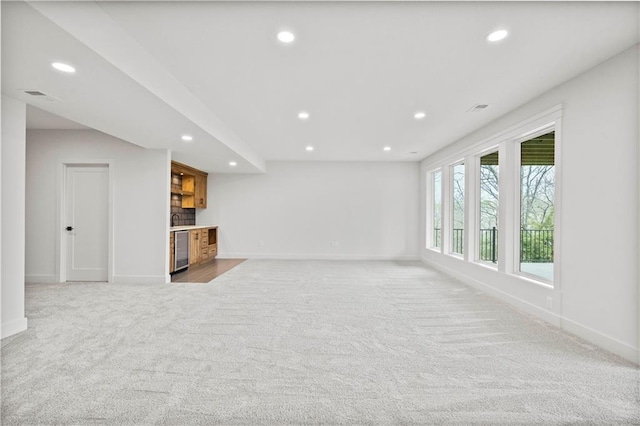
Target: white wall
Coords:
[[0, 184], [140, 203], [597, 296], [13, 211], [298, 209]]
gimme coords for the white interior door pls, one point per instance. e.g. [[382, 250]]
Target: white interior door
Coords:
[[87, 227]]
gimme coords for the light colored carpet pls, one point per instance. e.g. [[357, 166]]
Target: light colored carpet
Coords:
[[303, 342]]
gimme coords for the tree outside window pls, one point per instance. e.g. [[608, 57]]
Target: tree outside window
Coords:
[[457, 234], [488, 237], [437, 210], [537, 192]]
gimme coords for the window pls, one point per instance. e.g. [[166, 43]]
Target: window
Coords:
[[436, 237], [488, 233], [457, 209], [511, 182], [537, 191]]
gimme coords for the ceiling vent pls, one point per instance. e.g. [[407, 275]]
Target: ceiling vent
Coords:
[[39, 95], [34, 93], [478, 107]]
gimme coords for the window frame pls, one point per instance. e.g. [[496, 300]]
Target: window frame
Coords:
[[509, 196], [450, 227], [517, 207], [477, 208], [430, 219]]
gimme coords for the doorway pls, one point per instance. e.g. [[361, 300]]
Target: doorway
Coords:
[[85, 223]]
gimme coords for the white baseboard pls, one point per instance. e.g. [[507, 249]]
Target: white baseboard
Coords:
[[592, 336], [14, 327], [297, 256], [44, 279], [140, 279], [605, 342], [126, 279], [499, 294]]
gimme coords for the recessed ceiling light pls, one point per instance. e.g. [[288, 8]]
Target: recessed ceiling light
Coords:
[[233, 163], [303, 115], [187, 138], [309, 148], [497, 35], [63, 67], [286, 36], [419, 115], [387, 148]]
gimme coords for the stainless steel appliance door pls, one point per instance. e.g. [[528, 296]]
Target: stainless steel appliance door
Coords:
[[182, 250]]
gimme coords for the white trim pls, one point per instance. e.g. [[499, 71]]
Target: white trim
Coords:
[[531, 124], [167, 234], [1, 116], [539, 128], [516, 208], [469, 235], [14, 327], [508, 143], [446, 208], [533, 280], [557, 205], [428, 217], [41, 279], [537, 131], [476, 182], [63, 165], [592, 336], [297, 256], [450, 233], [637, 179], [603, 341], [506, 206], [509, 298], [140, 279]]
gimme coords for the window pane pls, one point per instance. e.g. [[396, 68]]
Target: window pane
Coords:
[[537, 176], [457, 234], [488, 237], [437, 210]]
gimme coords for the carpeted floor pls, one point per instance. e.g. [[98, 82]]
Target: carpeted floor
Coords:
[[303, 342]]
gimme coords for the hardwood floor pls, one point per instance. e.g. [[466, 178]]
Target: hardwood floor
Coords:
[[205, 272]]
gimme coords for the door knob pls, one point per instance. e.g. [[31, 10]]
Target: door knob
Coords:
[[69, 228]]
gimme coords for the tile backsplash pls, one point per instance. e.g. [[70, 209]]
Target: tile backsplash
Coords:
[[187, 216]]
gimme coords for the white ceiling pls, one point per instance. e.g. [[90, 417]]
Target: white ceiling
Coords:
[[149, 72]]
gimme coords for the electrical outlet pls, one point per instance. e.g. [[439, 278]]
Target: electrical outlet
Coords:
[[550, 302], [335, 244]]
